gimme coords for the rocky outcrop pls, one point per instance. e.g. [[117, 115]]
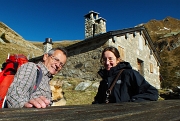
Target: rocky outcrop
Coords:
[[168, 43], [164, 33], [171, 93]]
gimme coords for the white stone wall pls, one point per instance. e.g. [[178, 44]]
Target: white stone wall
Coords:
[[137, 48]]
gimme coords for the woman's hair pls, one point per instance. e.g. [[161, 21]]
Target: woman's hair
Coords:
[[51, 52], [113, 50]]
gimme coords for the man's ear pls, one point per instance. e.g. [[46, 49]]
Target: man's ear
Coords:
[[45, 57]]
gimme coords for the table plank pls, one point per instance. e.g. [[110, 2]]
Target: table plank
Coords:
[[168, 110]]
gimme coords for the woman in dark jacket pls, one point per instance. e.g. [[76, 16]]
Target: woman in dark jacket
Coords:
[[130, 85]]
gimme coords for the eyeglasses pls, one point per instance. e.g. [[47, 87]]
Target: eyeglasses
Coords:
[[104, 60], [56, 60]]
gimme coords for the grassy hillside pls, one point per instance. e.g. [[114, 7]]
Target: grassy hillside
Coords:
[[12, 48]]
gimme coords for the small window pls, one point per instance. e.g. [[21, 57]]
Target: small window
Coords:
[[140, 66], [151, 67], [122, 53]]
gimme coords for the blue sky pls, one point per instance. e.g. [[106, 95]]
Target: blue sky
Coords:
[[36, 20]]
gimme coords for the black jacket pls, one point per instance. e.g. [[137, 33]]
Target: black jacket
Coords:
[[130, 87]]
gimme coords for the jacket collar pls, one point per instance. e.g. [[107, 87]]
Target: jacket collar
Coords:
[[114, 70]]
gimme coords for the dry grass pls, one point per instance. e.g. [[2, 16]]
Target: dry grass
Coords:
[[73, 96], [79, 97], [15, 49], [12, 48]]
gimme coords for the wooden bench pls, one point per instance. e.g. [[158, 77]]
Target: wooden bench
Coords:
[[168, 110]]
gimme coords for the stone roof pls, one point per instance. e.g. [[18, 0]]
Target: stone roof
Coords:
[[118, 32]]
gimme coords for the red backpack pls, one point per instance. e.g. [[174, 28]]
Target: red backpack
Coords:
[[9, 69]]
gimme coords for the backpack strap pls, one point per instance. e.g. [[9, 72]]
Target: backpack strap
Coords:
[[38, 79], [2, 76], [112, 85]]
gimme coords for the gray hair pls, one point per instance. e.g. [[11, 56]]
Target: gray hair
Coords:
[[51, 52]]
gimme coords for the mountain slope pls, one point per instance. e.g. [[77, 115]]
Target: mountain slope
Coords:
[[166, 38], [13, 43]]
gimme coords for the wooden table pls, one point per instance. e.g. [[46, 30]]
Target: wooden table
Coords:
[[168, 110]]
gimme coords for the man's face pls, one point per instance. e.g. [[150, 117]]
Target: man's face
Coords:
[[55, 62]]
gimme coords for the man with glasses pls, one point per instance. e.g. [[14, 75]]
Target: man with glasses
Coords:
[[21, 92]]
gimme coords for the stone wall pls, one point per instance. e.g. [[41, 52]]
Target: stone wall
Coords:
[[84, 61]]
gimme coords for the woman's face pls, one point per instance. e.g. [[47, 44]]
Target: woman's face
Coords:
[[109, 60]]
